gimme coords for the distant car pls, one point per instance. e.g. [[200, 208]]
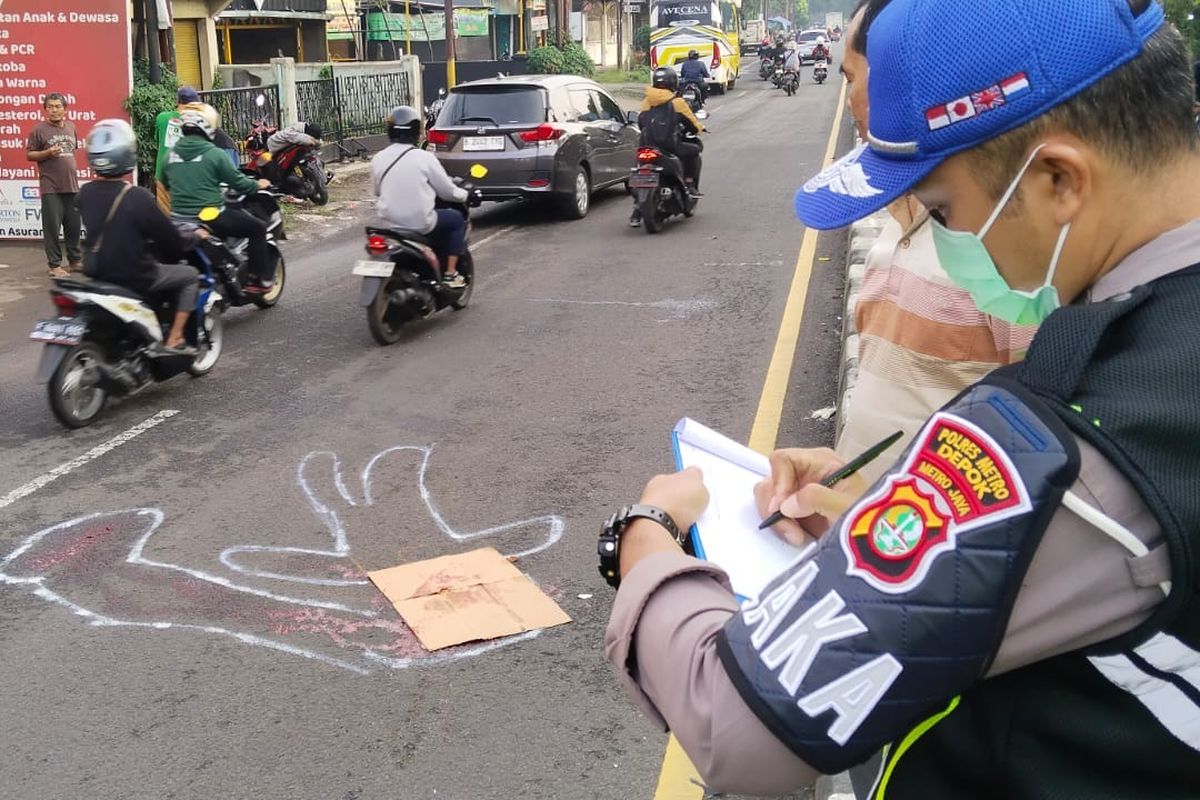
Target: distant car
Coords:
[[557, 137], [807, 41]]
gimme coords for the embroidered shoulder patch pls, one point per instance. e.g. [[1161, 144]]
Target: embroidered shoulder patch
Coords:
[[955, 479]]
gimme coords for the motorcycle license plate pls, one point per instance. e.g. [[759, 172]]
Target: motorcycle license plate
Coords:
[[373, 269], [639, 180], [58, 331], [475, 144]]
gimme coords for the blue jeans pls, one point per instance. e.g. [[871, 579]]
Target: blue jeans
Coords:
[[449, 235]]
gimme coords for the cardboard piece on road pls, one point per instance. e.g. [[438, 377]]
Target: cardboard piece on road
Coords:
[[465, 598]]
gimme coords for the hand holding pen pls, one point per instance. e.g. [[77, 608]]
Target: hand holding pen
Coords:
[[809, 488]]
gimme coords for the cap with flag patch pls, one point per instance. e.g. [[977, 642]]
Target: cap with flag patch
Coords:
[[947, 76]]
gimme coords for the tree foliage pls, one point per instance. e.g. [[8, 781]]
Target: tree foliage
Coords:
[[1186, 16], [144, 104]]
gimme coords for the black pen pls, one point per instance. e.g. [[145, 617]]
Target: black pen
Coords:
[[845, 472]]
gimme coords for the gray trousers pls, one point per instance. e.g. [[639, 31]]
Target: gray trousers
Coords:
[[59, 211], [178, 280]]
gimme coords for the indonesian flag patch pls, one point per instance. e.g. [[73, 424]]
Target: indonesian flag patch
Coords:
[[956, 478], [976, 103]]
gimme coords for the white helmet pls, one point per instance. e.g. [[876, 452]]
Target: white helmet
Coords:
[[201, 117]]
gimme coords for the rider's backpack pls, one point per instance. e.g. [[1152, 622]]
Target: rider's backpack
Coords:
[[660, 127]]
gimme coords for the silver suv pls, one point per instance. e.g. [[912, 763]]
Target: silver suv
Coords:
[[559, 137]]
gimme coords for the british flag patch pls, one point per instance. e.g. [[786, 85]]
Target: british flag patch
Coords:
[[977, 103]]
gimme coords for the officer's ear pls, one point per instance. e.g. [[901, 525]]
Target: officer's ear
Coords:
[[1065, 180]]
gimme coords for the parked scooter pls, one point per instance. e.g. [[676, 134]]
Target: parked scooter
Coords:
[[820, 72], [402, 278], [659, 188], [106, 341], [296, 170]]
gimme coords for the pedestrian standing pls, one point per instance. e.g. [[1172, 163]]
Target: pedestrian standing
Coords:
[[51, 145]]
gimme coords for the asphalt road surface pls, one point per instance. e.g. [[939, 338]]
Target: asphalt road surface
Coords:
[[147, 652]]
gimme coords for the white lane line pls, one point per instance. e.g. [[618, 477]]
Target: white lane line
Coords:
[[91, 455], [495, 235], [743, 93]]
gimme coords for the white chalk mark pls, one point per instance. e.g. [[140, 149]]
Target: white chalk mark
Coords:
[[45, 479], [340, 549], [496, 235], [742, 264]]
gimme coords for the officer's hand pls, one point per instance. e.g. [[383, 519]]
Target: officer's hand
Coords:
[[681, 494], [794, 488]]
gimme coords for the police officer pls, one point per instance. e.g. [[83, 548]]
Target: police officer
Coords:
[[1012, 610]]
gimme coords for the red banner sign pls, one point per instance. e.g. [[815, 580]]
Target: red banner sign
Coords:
[[78, 48]]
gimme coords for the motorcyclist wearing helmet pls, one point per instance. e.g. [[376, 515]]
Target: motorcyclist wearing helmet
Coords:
[[660, 96], [695, 71], [128, 234], [791, 62], [195, 171], [408, 182]]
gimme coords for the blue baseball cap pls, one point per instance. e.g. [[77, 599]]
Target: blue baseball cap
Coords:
[[187, 95], [949, 75]]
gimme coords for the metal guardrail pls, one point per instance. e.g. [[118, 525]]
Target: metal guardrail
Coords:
[[239, 109], [350, 107]]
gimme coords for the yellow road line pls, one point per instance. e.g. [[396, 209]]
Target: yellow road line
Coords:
[[678, 778]]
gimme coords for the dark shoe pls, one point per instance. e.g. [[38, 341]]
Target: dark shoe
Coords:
[[635, 219], [454, 280], [695, 194]]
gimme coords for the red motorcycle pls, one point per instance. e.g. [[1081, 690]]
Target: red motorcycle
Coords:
[[296, 169]]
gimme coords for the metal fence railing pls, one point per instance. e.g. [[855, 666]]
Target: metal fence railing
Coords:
[[350, 107], [239, 110]]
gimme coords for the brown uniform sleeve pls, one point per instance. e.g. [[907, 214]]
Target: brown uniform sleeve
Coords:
[[1081, 588]]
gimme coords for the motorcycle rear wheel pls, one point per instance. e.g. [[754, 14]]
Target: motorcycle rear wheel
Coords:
[[73, 404], [320, 194], [652, 220], [268, 299], [385, 331]]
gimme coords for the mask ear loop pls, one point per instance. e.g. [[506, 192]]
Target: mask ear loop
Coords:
[[1058, 248], [1012, 189]]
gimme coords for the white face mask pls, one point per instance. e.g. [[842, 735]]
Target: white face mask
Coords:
[[967, 261]]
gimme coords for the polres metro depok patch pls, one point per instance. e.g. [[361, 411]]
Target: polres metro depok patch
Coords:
[[955, 479]]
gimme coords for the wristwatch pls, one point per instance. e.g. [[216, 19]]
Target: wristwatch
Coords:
[[609, 546]]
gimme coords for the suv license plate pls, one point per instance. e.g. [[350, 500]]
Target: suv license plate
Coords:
[[374, 269], [475, 144], [640, 180], [58, 331]]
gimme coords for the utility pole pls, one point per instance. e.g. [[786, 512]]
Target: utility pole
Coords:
[[620, 32], [153, 46], [451, 82]]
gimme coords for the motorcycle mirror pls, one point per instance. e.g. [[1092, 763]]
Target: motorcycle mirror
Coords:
[[260, 100], [209, 214], [479, 171], [441, 91]]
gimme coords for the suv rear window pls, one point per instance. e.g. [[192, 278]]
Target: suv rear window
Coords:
[[501, 105], [811, 36]]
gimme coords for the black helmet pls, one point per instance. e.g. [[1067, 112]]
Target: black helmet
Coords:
[[314, 130], [693, 54], [666, 78], [404, 125]]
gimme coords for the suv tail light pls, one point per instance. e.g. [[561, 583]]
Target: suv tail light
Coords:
[[65, 305], [542, 133], [647, 154], [434, 136], [376, 245]]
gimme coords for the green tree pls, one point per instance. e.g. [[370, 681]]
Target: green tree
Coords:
[[1185, 14]]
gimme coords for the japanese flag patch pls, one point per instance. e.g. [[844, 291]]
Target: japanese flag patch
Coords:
[[954, 479]]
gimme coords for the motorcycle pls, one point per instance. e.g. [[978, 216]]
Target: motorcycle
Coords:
[[690, 92], [790, 82], [777, 77], [227, 259], [766, 67], [820, 72], [296, 169], [402, 278], [659, 188], [106, 341], [432, 110]]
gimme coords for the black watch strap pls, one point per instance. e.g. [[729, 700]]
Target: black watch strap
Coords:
[[609, 546]]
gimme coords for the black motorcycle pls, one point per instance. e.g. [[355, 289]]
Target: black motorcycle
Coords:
[[691, 94], [228, 258], [402, 278], [659, 188]]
